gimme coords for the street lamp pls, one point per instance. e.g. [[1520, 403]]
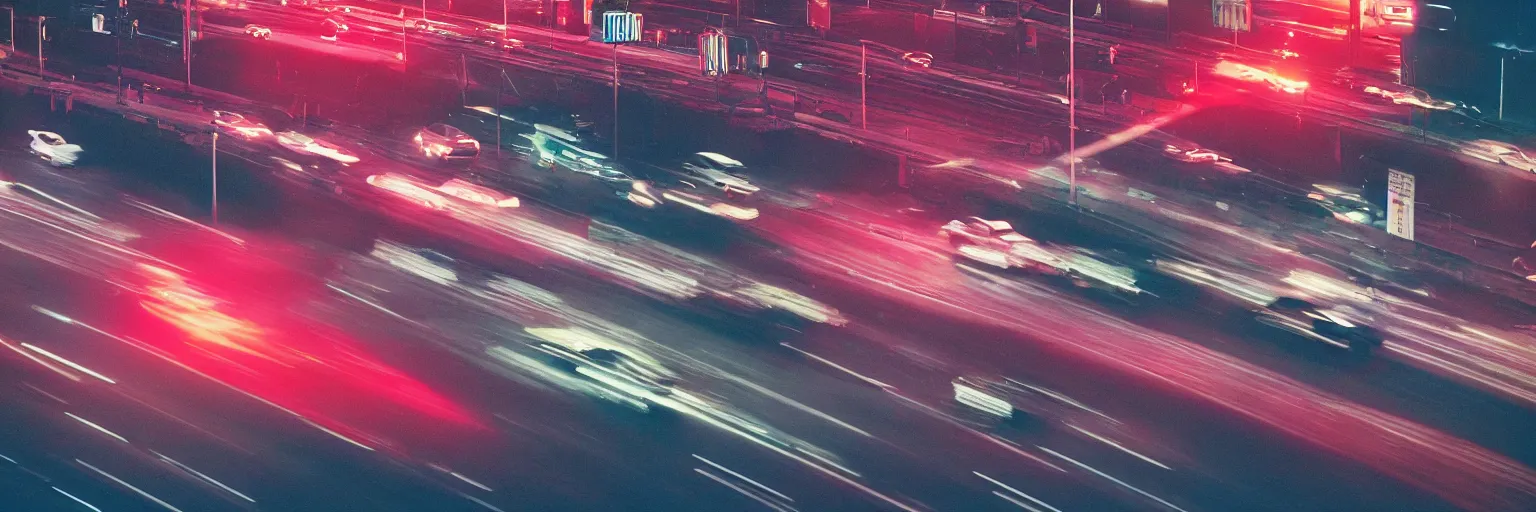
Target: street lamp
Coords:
[[12, 33], [1072, 102], [41, 34], [215, 173]]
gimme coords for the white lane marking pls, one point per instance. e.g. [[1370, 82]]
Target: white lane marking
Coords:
[[97, 427], [206, 478], [1110, 478], [742, 491], [77, 500], [743, 478], [1107, 441], [130, 487], [1015, 491], [844, 369]]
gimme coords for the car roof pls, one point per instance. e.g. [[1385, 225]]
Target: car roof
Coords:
[[555, 132], [722, 159]]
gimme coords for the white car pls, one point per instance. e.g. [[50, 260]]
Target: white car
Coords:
[[237, 124], [306, 145], [1413, 97], [51, 147], [720, 172], [443, 142], [1501, 153], [1193, 155], [258, 32], [995, 243], [438, 197]]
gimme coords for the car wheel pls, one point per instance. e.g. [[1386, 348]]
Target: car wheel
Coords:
[[1360, 347]]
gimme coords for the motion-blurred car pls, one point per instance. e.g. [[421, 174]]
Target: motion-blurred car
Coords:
[[920, 59], [258, 32], [53, 148], [1501, 153], [995, 243], [631, 378], [1307, 320], [437, 197], [494, 37], [443, 142], [558, 149], [238, 124], [1413, 97], [332, 28], [1193, 155], [306, 145], [1270, 79], [719, 172], [1346, 204], [1012, 401]]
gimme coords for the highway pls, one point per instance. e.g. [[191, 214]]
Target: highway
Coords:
[[351, 368]]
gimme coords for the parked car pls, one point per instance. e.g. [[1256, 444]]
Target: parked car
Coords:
[[443, 142], [51, 147]]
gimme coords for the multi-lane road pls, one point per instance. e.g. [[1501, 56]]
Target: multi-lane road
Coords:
[[308, 367]]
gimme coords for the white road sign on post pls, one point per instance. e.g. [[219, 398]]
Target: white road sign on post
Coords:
[[1400, 204], [1234, 15]]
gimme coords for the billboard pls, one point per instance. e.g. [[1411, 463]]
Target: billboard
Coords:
[[1400, 204], [818, 14], [714, 53]]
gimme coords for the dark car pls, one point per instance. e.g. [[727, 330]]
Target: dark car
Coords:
[[1307, 320]]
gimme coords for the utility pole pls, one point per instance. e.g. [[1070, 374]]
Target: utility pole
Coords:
[[1502, 60], [464, 89], [1072, 103], [863, 86], [615, 102], [40, 34], [186, 40], [215, 175], [12, 33], [1355, 13], [423, 10]]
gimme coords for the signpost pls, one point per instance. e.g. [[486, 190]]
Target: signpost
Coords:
[[1400, 204], [1234, 15], [620, 27]]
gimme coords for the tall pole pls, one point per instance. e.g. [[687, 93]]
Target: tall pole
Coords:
[[117, 43], [1502, 59], [215, 176], [186, 40], [464, 89], [500, 84], [40, 20], [503, 24], [423, 10], [12, 33], [1072, 103], [615, 102], [863, 86]]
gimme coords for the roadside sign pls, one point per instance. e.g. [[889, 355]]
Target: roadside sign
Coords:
[[1400, 204], [622, 27], [1234, 15], [714, 53], [818, 14], [99, 24]]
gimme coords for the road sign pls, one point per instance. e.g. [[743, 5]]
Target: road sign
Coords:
[[99, 24], [1400, 204], [1235, 15], [714, 53], [622, 27]]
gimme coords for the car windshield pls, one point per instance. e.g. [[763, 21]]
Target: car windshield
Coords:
[[50, 139]]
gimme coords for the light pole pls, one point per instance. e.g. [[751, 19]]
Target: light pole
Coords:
[[215, 175], [1072, 102], [40, 33], [186, 40], [423, 10], [12, 33], [1502, 60], [863, 86], [615, 102]]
